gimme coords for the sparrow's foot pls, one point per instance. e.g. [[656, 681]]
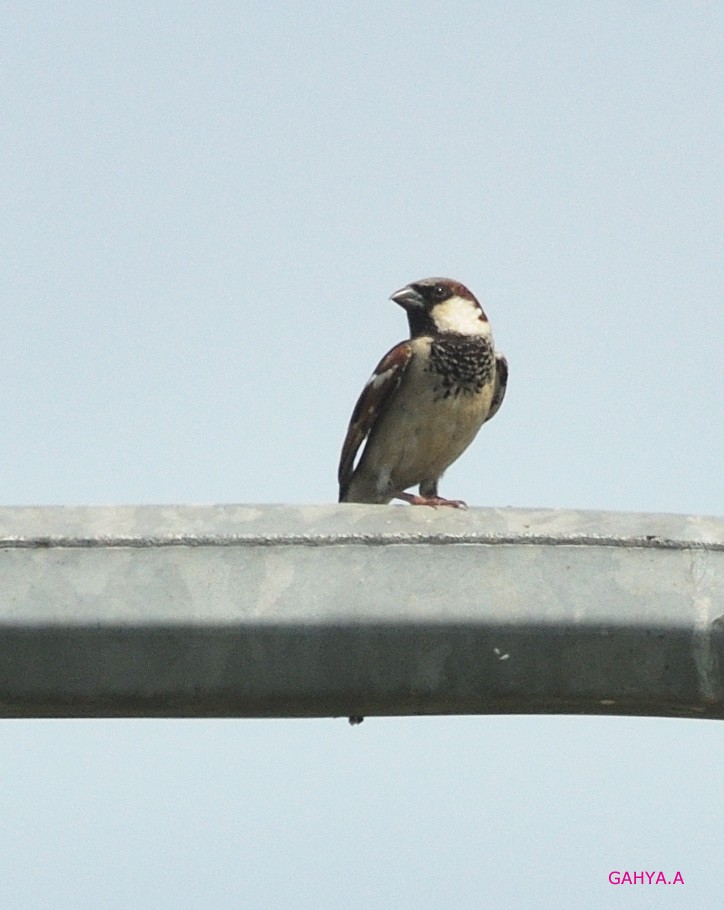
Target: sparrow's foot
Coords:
[[434, 501]]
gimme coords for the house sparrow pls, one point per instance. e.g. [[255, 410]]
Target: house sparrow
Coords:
[[427, 399]]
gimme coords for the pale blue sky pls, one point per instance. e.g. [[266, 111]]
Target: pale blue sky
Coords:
[[205, 208]]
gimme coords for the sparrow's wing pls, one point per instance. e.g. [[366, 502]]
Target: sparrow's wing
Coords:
[[382, 385], [501, 381]]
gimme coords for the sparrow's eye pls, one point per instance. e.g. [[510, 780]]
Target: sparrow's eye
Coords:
[[438, 292]]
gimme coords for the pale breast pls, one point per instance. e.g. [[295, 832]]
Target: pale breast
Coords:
[[435, 415]]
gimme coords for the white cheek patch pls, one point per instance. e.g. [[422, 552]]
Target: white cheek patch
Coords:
[[460, 315]]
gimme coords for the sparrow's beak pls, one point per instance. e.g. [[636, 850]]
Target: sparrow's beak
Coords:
[[407, 297]]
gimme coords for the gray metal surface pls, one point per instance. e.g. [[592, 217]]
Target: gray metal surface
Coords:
[[283, 611]]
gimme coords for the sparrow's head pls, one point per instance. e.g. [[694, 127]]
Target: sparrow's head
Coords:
[[436, 306]]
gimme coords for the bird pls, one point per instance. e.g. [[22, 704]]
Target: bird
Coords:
[[425, 401]]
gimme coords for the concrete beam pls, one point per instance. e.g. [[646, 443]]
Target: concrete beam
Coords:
[[284, 611]]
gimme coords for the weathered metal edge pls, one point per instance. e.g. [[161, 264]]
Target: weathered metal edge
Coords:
[[375, 540]]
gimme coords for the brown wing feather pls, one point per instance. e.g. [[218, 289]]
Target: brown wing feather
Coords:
[[380, 388], [501, 382]]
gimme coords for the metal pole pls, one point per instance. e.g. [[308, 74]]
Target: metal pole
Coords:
[[293, 611]]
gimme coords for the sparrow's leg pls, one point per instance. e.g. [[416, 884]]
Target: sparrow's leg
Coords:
[[431, 501]]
